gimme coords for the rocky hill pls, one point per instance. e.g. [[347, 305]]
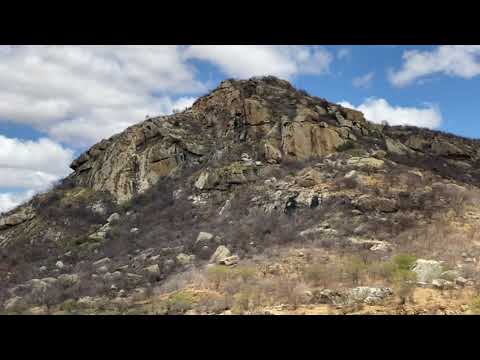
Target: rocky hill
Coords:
[[258, 199]]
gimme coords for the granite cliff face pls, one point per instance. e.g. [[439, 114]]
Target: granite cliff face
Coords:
[[272, 121], [268, 116], [257, 197]]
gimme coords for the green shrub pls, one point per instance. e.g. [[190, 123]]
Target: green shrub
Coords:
[[348, 145], [180, 302], [404, 261], [403, 283]]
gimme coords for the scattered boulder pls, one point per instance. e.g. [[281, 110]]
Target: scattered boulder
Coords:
[[320, 229], [230, 261], [427, 270], [382, 246], [204, 238], [450, 275], [442, 284], [379, 154], [112, 218], [368, 295], [308, 178], [18, 217], [99, 208], [153, 269], [101, 262], [460, 281], [220, 255], [38, 310], [68, 279], [59, 264], [368, 162], [90, 302], [14, 303], [184, 259], [371, 203], [371, 244], [103, 269], [110, 277], [396, 147], [101, 233], [328, 296], [225, 208]]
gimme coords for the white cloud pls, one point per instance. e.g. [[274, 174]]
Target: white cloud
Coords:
[[344, 53], [243, 61], [81, 94], [453, 60], [364, 81], [40, 155], [8, 201], [378, 110], [84, 93], [31, 165]]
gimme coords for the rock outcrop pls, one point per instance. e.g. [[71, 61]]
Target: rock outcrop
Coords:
[[267, 114]]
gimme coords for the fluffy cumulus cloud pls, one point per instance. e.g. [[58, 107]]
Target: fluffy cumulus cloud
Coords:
[[363, 81], [453, 60], [10, 200], [379, 110], [31, 165], [82, 94], [244, 61]]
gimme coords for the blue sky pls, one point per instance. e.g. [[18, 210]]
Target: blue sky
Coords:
[[56, 101]]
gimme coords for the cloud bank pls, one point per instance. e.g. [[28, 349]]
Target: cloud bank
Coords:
[[453, 60], [379, 110]]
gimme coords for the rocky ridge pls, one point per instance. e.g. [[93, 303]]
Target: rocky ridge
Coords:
[[252, 166]]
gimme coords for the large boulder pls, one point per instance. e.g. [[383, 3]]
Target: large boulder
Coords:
[[308, 177], [375, 203], [204, 238], [366, 162], [14, 303], [427, 270], [16, 218], [220, 255], [370, 244], [396, 147], [368, 295], [184, 259], [152, 269]]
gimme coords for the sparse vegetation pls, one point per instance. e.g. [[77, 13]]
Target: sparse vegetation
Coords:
[[422, 204]]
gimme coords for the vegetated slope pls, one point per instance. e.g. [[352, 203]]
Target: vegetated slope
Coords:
[[259, 196]]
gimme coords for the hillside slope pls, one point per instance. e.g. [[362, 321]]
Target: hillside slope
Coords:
[[259, 198]]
